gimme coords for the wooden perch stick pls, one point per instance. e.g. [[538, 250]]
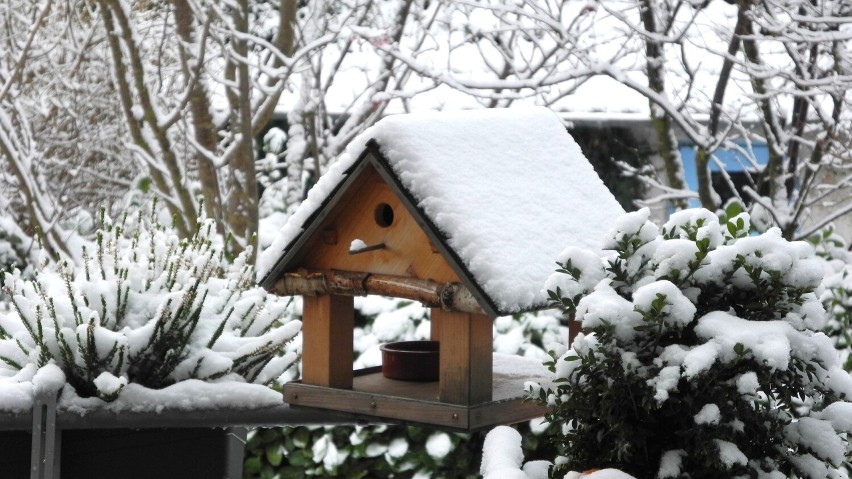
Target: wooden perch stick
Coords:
[[448, 296]]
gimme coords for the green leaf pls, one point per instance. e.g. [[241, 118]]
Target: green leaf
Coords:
[[733, 209], [274, 454], [252, 465], [144, 185]]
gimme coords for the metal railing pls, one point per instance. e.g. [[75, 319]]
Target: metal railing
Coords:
[[46, 422]]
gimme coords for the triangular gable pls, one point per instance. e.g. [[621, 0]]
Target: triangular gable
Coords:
[[369, 180], [501, 191]]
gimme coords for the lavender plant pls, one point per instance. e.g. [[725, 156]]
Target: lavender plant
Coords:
[[145, 307]]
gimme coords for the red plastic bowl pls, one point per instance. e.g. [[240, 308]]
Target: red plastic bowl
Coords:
[[410, 360]]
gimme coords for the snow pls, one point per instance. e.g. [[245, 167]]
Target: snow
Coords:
[[108, 384], [603, 304], [15, 397], [537, 469], [839, 414], [840, 382], [819, 437], [502, 455], [677, 309], [671, 463], [587, 262], [747, 383], [730, 454], [357, 244], [771, 342], [188, 395], [601, 474], [510, 373], [439, 445], [709, 414], [325, 451], [665, 382], [498, 183], [397, 448]]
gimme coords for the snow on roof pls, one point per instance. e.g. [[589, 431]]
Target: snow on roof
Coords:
[[508, 189]]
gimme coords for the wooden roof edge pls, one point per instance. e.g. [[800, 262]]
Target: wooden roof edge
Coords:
[[434, 234], [313, 221]]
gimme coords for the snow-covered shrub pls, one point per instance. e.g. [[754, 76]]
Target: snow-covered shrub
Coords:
[[503, 457], [146, 307], [356, 451], [702, 356], [16, 247], [837, 297]]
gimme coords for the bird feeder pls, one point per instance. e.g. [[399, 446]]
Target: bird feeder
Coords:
[[464, 212]]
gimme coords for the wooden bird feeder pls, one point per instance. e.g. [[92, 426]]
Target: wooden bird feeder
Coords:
[[385, 220]]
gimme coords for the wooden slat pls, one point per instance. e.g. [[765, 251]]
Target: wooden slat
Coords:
[[466, 363], [327, 351], [377, 405], [374, 396], [509, 411]]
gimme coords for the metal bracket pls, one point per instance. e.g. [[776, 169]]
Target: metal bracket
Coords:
[[235, 450], [46, 443]]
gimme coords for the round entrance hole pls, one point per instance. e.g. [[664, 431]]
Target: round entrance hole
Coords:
[[410, 360], [383, 215]]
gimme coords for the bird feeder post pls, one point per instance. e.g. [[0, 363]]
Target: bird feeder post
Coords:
[[465, 357], [327, 340]]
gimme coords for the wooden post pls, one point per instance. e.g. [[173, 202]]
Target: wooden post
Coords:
[[466, 362], [327, 324], [435, 325]]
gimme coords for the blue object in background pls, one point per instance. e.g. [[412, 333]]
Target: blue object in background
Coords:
[[732, 159]]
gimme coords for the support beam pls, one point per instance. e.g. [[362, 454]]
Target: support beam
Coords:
[[327, 351], [448, 296], [466, 367]]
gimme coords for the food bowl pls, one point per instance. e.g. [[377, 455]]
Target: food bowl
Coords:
[[410, 360]]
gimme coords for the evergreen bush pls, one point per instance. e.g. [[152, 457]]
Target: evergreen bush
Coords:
[[701, 358], [145, 307], [837, 297]]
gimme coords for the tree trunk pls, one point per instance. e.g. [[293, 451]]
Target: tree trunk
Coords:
[[663, 128], [202, 125], [242, 215], [773, 173]]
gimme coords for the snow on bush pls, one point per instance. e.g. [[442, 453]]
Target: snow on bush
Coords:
[[146, 308], [502, 457], [16, 247], [837, 295], [702, 358]]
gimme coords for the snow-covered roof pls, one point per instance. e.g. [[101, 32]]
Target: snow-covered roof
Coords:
[[504, 189]]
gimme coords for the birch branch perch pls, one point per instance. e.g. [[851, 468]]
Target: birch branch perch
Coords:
[[448, 296]]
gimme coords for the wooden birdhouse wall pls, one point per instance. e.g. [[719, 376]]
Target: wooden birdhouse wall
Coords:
[[372, 212]]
